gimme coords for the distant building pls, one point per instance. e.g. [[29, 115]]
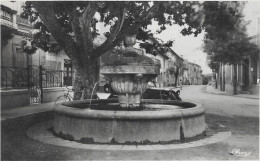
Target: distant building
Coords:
[[195, 74]]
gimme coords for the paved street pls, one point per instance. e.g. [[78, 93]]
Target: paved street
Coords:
[[221, 104], [223, 113]]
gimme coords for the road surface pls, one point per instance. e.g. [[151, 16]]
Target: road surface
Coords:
[[221, 104]]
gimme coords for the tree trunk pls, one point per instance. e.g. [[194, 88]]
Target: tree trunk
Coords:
[[220, 77], [86, 77], [235, 80], [224, 78], [176, 79], [216, 80]]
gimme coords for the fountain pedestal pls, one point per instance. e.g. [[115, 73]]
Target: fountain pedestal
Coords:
[[129, 71], [129, 100], [129, 82]]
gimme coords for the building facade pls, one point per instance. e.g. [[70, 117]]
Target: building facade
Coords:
[[26, 78], [194, 74]]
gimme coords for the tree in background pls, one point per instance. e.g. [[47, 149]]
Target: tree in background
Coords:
[[226, 42], [215, 69], [74, 27], [176, 70], [206, 79]]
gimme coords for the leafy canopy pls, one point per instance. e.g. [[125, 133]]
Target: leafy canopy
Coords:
[[73, 24], [226, 39]]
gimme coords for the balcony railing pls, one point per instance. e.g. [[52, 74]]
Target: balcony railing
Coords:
[[7, 18], [22, 78], [14, 78]]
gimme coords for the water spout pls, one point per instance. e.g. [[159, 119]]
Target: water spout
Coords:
[[92, 94]]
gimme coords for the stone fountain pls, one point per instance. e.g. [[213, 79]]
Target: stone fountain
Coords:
[[131, 119], [129, 71]]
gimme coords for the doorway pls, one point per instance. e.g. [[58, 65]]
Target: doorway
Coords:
[[67, 72]]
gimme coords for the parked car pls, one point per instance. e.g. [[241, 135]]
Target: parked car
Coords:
[[154, 93]]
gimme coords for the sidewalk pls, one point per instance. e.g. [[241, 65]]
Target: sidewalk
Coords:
[[212, 90], [26, 110]]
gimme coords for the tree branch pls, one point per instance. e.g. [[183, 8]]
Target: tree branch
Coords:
[[106, 45], [150, 10], [85, 25], [74, 19], [123, 32], [47, 15]]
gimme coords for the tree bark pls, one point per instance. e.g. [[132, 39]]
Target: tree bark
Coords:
[[235, 80], [176, 79], [216, 80], [220, 77], [85, 79], [224, 78]]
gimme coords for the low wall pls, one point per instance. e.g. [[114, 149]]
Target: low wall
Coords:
[[14, 98], [21, 97], [51, 94]]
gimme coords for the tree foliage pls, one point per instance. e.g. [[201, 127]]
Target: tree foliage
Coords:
[[226, 39], [73, 25], [27, 48], [78, 19]]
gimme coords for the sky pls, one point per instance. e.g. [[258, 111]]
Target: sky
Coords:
[[190, 47]]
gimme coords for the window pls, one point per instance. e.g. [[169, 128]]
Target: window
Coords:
[[21, 58]]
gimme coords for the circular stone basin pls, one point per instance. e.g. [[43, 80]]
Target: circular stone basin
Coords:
[[160, 121]]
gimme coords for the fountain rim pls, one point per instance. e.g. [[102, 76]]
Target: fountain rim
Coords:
[[128, 69], [129, 115]]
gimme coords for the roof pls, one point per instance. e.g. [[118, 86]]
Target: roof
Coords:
[[254, 37], [156, 41], [174, 53], [164, 55], [195, 64], [3, 7]]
